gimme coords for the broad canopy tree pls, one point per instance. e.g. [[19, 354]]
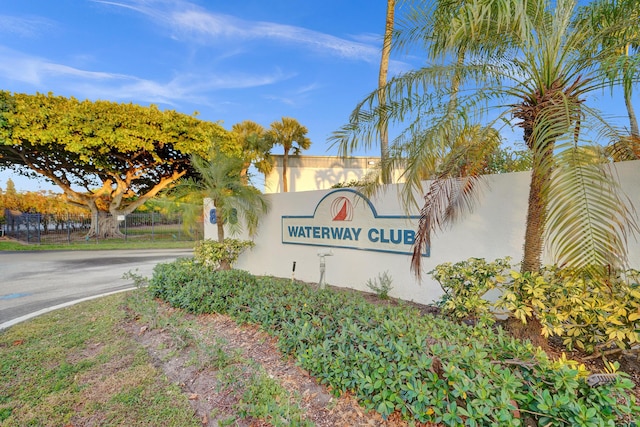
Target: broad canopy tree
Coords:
[[108, 157]]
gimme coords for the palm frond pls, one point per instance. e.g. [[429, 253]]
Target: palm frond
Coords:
[[446, 200], [625, 148], [455, 191], [588, 218]]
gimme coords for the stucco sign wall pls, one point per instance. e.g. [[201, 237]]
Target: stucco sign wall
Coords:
[[345, 218]]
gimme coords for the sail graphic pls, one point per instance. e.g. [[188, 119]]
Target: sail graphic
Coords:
[[341, 209], [342, 214]]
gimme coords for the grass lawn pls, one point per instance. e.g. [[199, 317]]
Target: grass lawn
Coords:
[[12, 245], [93, 364], [78, 367]]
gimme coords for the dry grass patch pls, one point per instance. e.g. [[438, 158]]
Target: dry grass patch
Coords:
[[78, 367]]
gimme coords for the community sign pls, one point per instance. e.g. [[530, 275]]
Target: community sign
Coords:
[[345, 218]]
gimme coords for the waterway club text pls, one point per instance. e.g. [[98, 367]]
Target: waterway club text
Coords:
[[374, 235]]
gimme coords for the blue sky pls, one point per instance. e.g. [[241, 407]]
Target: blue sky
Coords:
[[228, 60]]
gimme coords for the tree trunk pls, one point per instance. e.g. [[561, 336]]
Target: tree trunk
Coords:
[[104, 225], [536, 211], [224, 263], [534, 238], [244, 173], [220, 227], [633, 120], [531, 331], [382, 81], [285, 158]]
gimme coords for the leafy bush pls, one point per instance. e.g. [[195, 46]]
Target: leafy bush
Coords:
[[214, 254], [393, 359], [589, 314], [187, 285], [465, 285]]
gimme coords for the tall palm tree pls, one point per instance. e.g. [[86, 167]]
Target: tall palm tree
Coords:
[[292, 136], [254, 148], [237, 204], [521, 60]]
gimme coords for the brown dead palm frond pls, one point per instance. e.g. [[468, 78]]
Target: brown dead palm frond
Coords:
[[446, 200], [455, 190]]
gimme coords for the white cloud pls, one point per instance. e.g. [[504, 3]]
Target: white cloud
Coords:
[[36, 71], [208, 27], [25, 27], [39, 72]]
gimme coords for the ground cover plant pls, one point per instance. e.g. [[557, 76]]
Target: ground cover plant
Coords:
[[393, 360]]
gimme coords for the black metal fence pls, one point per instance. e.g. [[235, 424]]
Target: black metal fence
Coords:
[[50, 228]]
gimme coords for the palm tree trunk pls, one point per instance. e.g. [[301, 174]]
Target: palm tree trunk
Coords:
[[633, 121], [220, 227], [536, 211], [224, 263], [382, 81], [534, 238], [455, 84], [244, 173], [285, 185]]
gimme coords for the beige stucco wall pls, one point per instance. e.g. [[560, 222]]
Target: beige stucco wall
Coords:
[[494, 229], [307, 173]]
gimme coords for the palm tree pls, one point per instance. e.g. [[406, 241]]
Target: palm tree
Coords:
[[237, 204], [254, 147], [291, 135], [509, 59]]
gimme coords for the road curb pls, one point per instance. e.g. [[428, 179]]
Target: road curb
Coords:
[[17, 320]]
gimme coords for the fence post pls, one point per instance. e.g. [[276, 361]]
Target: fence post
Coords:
[[38, 219], [68, 228], [152, 234]]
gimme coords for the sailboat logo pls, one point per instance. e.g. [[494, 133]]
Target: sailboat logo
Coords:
[[342, 209]]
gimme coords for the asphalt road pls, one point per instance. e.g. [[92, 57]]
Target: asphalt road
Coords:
[[32, 283]]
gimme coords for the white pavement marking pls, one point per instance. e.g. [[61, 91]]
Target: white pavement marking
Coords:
[[17, 320]]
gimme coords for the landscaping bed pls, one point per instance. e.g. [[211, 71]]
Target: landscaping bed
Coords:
[[399, 363]]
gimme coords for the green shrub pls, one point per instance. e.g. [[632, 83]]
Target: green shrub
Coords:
[[393, 359], [188, 285], [592, 315], [381, 285], [213, 254], [465, 285]]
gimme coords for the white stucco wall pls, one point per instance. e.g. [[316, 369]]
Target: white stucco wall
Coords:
[[495, 229]]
